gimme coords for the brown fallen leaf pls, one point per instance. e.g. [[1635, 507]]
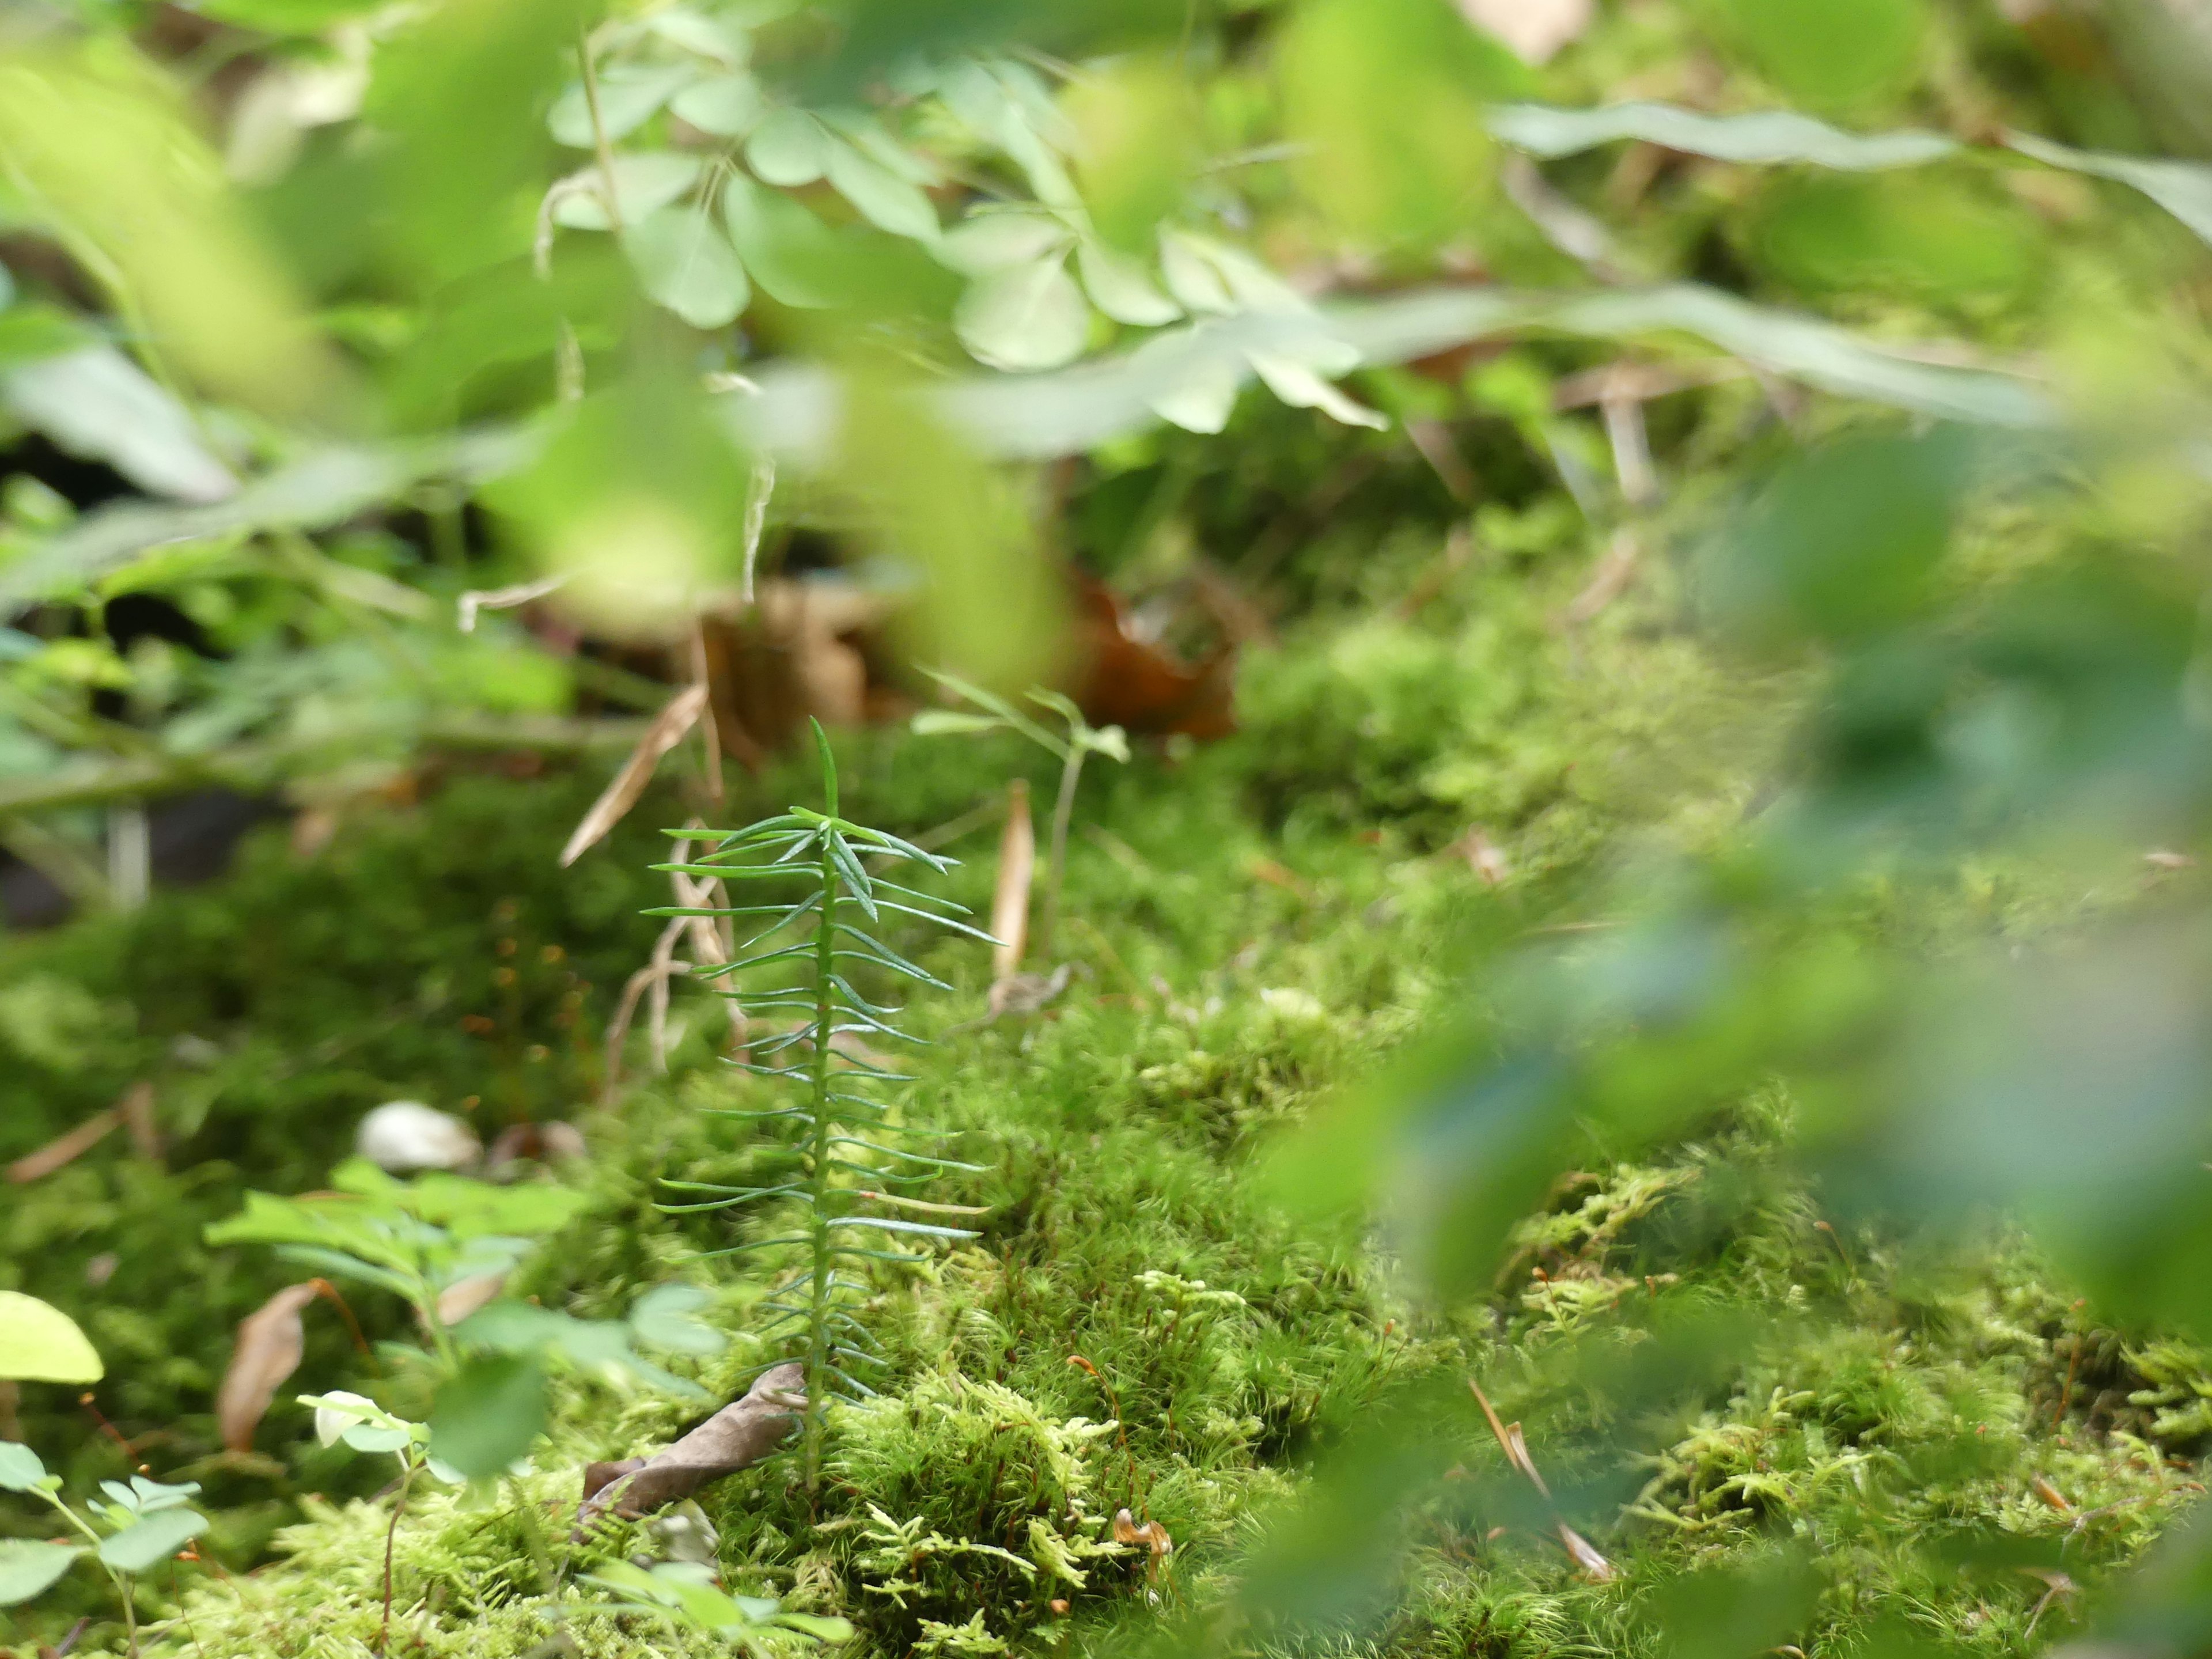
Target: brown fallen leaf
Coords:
[[1010, 904], [1153, 1536], [464, 1296], [1579, 1549], [137, 1108], [271, 1340], [555, 1142], [2042, 1487], [737, 1436], [1131, 683], [64, 1149], [668, 729], [1585, 1556]]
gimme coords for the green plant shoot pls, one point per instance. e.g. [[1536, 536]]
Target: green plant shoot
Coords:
[[1082, 740], [848, 1153]]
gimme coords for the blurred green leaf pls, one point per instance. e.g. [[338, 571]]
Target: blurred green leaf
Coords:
[[488, 1417], [156, 1538], [1831, 54], [28, 1568], [40, 1343], [687, 265], [1769, 135], [789, 147], [1026, 317]]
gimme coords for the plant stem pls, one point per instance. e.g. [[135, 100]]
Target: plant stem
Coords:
[[817, 1324], [1063, 809], [599, 144], [390, 1535]]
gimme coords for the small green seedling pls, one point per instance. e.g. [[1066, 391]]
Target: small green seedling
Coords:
[[808, 947], [683, 1595], [367, 1427], [428, 1242], [139, 1525], [1082, 740]]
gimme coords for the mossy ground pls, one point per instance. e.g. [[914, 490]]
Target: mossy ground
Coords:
[[1140, 1324]]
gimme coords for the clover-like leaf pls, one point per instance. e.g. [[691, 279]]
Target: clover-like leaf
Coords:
[[1026, 317], [688, 266]]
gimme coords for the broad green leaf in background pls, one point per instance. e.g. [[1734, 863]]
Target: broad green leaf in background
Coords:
[[797, 259], [1138, 145], [1123, 289], [1937, 235], [993, 240], [629, 96], [487, 1417], [1026, 317], [788, 147], [662, 1318], [1768, 136], [39, 1343], [722, 38], [96, 403], [1384, 97], [2182, 188], [19, 1468], [285, 16], [724, 104], [644, 182], [101, 148], [687, 265], [1831, 54], [156, 1538], [28, 1567], [882, 197]]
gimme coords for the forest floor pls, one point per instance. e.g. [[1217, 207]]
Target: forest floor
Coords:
[[1254, 925]]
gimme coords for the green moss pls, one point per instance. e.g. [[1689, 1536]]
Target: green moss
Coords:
[[1254, 925]]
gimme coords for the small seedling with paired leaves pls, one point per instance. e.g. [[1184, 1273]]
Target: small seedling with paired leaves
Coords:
[[1082, 741], [807, 867], [138, 1526], [444, 1244]]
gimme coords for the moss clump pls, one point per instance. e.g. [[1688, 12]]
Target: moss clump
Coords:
[[1137, 1327]]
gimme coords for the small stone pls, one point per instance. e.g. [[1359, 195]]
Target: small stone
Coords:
[[402, 1136]]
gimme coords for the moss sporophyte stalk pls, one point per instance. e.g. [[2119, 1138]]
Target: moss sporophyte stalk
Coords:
[[851, 1152]]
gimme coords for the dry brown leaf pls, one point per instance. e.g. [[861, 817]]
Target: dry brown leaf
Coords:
[[1131, 683], [1010, 904], [1125, 1527], [1609, 580], [1509, 1436], [464, 1296], [1585, 1556], [271, 1340], [2042, 1487], [137, 1108], [64, 1149], [666, 731], [1282, 876], [1536, 29], [737, 1436]]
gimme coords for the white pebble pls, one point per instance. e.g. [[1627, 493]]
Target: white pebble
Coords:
[[402, 1135]]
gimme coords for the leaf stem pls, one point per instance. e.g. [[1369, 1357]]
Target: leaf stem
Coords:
[[1063, 809]]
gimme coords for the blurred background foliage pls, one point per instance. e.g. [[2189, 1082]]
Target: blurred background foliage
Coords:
[[1795, 411]]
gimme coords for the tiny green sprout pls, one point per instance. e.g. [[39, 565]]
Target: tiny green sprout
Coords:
[[1082, 741], [807, 951], [445, 1245], [138, 1527]]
